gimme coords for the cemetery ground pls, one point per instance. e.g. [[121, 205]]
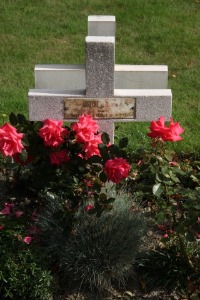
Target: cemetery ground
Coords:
[[156, 251]]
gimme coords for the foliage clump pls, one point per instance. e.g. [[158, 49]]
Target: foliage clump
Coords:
[[23, 274], [100, 250]]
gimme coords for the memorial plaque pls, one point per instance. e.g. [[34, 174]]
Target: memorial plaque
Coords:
[[100, 108]]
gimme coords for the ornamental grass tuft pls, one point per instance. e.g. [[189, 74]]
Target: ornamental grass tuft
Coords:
[[99, 251]]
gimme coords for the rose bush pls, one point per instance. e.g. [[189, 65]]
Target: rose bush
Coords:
[[169, 190], [57, 158]]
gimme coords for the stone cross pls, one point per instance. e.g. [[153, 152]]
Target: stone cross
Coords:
[[111, 93]]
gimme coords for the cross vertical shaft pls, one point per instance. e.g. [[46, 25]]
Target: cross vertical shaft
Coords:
[[100, 62]]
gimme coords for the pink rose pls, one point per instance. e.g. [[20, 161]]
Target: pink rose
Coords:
[[7, 210], [27, 240], [171, 133], [10, 140], [53, 133], [59, 157], [11, 205], [85, 128], [174, 131], [173, 163], [116, 169], [91, 147], [19, 213], [1, 227], [34, 230], [162, 227], [89, 207]]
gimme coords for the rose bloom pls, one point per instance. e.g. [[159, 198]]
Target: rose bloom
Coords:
[[7, 209], [89, 207], [10, 140], [19, 213], [116, 169], [59, 157], [53, 133], [27, 240], [171, 133], [91, 147], [85, 128]]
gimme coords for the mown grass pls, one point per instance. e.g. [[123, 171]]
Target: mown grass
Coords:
[[148, 32]]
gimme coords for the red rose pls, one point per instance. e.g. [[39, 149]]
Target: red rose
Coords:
[[91, 147], [57, 158], [116, 169], [53, 133], [174, 131], [171, 133], [85, 128], [10, 140]]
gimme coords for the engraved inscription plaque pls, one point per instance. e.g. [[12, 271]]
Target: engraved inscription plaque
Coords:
[[100, 108]]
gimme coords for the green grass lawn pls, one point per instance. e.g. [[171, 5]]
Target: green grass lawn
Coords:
[[148, 32]]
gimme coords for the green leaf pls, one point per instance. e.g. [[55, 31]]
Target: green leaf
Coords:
[[103, 177], [97, 187], [160, 217], [113, 149], [110, 200], [123, 142], [160, 177], [168, 157], [173, 177], [37, 125], [157, 189], [197, 206], [103, 151], [95, 159], [96, 168], [21, 119], [164, 171], [102, 197], [153, 161], [105, 138], [13, 119], [159, 158], [190, 237], [24, 155]]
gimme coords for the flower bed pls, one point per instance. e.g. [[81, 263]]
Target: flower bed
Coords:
[[85, 207]]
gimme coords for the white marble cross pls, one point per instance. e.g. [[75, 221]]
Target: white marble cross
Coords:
[[111, 93]]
